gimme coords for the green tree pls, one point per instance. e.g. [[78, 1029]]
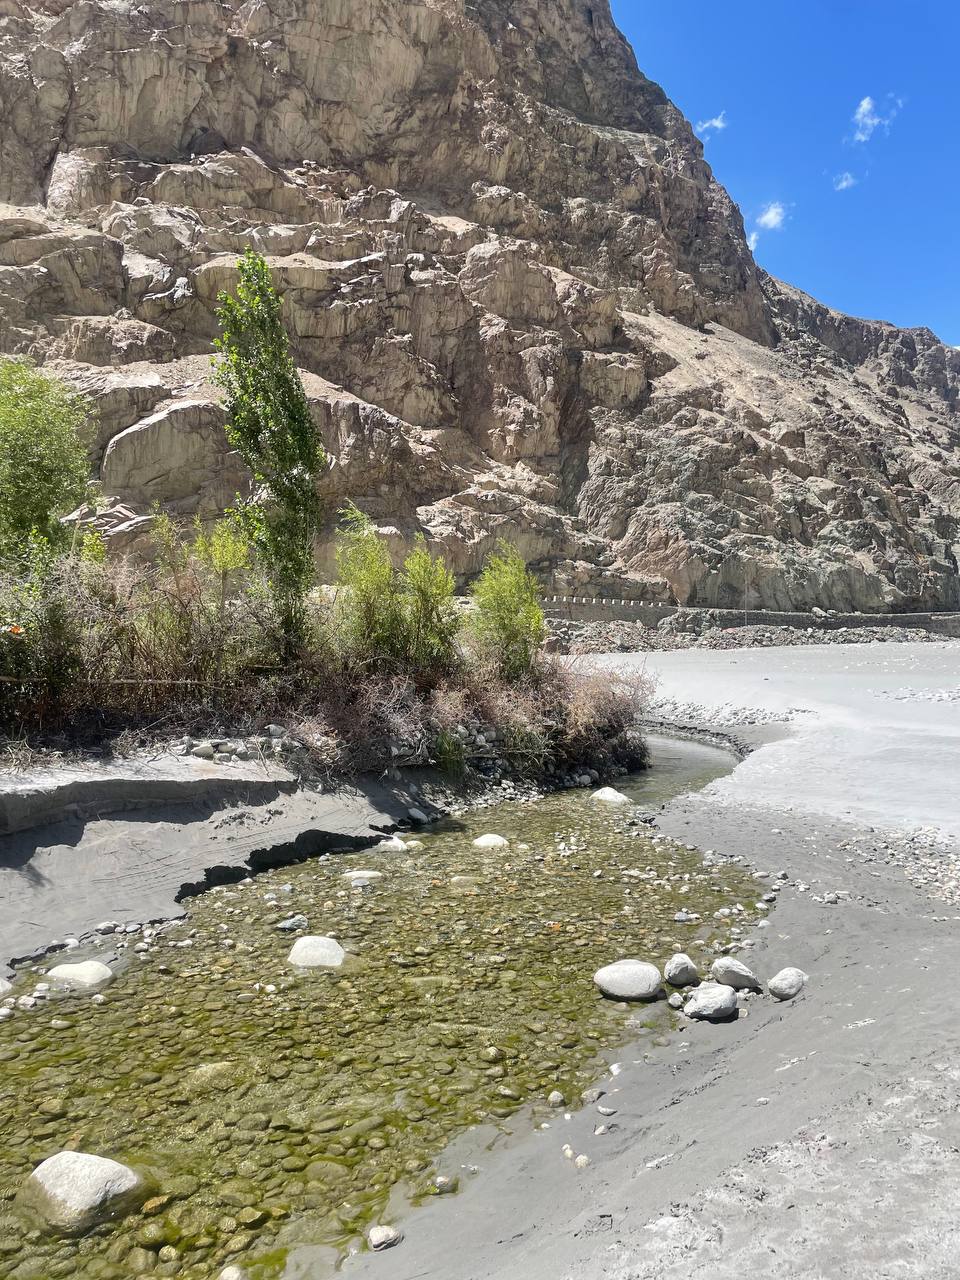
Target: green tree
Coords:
[[507, 621], [45, 431], [270, 427]]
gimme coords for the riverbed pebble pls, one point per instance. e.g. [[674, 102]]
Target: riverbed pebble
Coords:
[[610, 795], [733, 973], [316, 953], [629, 980], [491, 841], [712, 1001], [86, 975], [72, 1191], [787, 984], [680, 971], [292, 923], [391, 844], [383, 1237]]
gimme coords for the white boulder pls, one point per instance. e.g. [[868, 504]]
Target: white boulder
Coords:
[[491, 842], [85, 975], [712, 1001], [316, 953], [5, 986], [680, 971], [629, 980], [610, 795], [391, 844], [73, 1191], [787, 983], [383, 1237], [362, 874], [731, 973]]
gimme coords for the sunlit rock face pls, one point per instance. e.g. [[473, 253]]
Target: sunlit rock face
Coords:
[[522, 305]]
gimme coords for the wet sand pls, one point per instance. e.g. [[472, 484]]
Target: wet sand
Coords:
[[809, 1140]]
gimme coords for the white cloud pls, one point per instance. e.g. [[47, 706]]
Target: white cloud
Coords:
[[772, 216], [753, 239], [844, 181], [867, 117], [706, 127]]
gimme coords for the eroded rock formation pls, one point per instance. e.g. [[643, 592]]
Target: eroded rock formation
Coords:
[[521, 303]]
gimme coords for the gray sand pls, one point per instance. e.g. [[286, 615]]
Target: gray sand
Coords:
[[850, 1166]]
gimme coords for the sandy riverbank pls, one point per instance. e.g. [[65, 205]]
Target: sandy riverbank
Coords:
[[811, 1140]]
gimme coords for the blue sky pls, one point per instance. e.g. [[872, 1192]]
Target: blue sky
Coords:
[[836, 128]]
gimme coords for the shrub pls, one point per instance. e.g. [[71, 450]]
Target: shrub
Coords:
[[45, 431], [406, 620], [369, 615], [270, 427], [430, 613], [41, 638], [507, 623]]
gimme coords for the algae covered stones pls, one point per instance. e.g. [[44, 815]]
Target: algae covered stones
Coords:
[[73, 1191], [286, 1105], [731, 973], [629, 980], [491, 842], [787, 984], [316, 953], [610, 795], [713, 1002], [85, 975]]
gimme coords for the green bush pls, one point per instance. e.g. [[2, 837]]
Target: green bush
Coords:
[[406, 620], [369, 615], [41, 635], [45, 431], [431, 617], [269, 425], [507, 623]]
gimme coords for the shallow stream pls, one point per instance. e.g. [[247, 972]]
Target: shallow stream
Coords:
[[277, 1110]]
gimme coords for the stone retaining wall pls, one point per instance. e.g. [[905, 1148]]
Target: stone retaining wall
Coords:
[[603, 609]]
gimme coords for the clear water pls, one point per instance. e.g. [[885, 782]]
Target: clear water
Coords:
[[275, 1109]]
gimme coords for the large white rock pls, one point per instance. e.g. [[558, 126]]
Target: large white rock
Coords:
[[383, 1237], [629, 980], [391, 844], [491, 842], [610, 795], [317, 953], [361, 874], [73, 1191], [680, 971], [787, 983], [712, 1001], [5, 986], [85, 975], [731, 973]]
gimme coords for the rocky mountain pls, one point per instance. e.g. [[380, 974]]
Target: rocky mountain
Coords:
[[522, 304]]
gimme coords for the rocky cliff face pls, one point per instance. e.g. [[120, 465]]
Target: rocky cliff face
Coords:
[[522, 305]]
